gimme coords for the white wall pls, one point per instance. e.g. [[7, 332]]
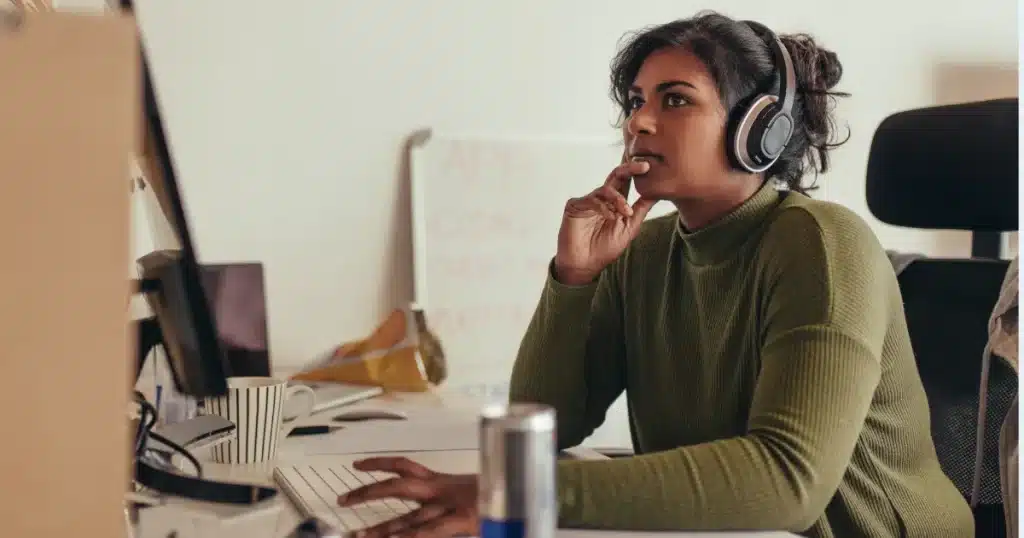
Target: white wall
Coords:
[[287, 119]]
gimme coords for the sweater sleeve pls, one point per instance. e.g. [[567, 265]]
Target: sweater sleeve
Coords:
[[824, 306], [571, 356]]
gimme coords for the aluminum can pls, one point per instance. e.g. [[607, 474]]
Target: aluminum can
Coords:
[[518, 453]]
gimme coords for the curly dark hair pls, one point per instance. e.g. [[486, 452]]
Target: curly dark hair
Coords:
[[742, 65]]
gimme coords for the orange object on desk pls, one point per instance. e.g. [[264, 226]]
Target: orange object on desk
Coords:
[[400, 355]]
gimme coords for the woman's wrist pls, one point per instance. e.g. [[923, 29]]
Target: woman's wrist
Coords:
[[573, 277]]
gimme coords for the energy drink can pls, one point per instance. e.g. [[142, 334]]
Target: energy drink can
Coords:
[[518, 452]]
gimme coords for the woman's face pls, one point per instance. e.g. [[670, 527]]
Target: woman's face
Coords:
[[677, 123]]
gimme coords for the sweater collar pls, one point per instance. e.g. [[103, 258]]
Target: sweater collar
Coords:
[[716, 241]]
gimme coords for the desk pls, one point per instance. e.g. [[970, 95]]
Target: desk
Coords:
[[291, 451]]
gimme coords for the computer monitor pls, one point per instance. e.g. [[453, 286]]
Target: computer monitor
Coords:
[[237, 295], [170, 279]]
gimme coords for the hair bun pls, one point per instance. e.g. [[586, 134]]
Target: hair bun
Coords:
[[817, 68], [830, 69]]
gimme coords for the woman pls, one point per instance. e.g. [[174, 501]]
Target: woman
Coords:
[[759, 334]]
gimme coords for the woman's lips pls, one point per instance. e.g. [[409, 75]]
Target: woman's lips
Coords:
[[650, 157]]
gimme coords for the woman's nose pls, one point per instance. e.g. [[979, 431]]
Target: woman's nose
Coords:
[[641, 121]]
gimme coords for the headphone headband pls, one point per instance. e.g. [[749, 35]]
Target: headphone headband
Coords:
[[787, 74], [766, 125], [783, 65]]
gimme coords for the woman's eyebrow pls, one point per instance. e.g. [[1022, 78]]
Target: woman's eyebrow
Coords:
[[662, 86]]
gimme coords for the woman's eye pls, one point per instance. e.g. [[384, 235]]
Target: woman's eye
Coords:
[[675, 100], [635, 102]]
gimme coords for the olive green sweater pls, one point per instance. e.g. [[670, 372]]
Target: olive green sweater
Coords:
[[770, 380]]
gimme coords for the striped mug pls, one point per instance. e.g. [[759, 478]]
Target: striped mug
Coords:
[[255, 405]]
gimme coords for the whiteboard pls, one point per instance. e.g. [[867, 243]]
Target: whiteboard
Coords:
[[486, 213]]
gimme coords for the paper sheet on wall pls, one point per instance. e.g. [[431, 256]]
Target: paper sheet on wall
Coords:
[[486, 213]]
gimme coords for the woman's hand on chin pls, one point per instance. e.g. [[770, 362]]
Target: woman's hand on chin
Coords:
[[598, 226]]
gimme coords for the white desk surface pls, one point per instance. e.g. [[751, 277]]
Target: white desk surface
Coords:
[[291, 452]]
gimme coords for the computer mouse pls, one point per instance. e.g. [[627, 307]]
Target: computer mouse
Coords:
[[358, 415]]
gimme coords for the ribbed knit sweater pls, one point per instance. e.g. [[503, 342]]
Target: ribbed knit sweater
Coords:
[[769, 375]]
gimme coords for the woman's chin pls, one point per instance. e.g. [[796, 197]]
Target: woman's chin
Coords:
[[650, 188]]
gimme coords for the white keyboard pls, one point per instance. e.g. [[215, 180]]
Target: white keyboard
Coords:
[[314, 490]]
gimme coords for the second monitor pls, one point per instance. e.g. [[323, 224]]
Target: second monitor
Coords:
[[237, 296]]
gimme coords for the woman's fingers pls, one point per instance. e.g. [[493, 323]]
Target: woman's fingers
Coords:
[[604, 200], [621, 176], [588, 206], [406, 488], [641, 208], [609, 200], [402, 523], [615, 199]]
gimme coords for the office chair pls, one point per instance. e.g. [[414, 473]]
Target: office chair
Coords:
[[954, 168]]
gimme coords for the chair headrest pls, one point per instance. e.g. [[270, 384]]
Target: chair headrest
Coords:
[[950, 167]]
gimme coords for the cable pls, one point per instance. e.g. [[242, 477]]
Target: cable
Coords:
[[146, 410], [145, 432], [161, 476]]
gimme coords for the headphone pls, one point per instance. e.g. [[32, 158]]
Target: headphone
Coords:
[[766, 125]]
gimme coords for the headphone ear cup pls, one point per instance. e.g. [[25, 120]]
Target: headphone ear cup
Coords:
[[747, 142], [776, 135]]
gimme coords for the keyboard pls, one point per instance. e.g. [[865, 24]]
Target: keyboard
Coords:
[[314, 490]]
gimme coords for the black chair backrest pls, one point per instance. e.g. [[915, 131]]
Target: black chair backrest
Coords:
[[954, 167], [950, 167], [947, 304]]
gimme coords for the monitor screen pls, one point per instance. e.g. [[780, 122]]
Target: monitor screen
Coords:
[[171, 280], [237, 296]]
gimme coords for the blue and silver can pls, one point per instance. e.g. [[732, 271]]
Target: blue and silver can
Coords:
[[518, 452]]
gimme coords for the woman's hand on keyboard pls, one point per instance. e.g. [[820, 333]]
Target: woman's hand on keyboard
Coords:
[[448, 503]]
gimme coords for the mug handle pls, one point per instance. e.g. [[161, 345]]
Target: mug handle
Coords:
[[290, 393]]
